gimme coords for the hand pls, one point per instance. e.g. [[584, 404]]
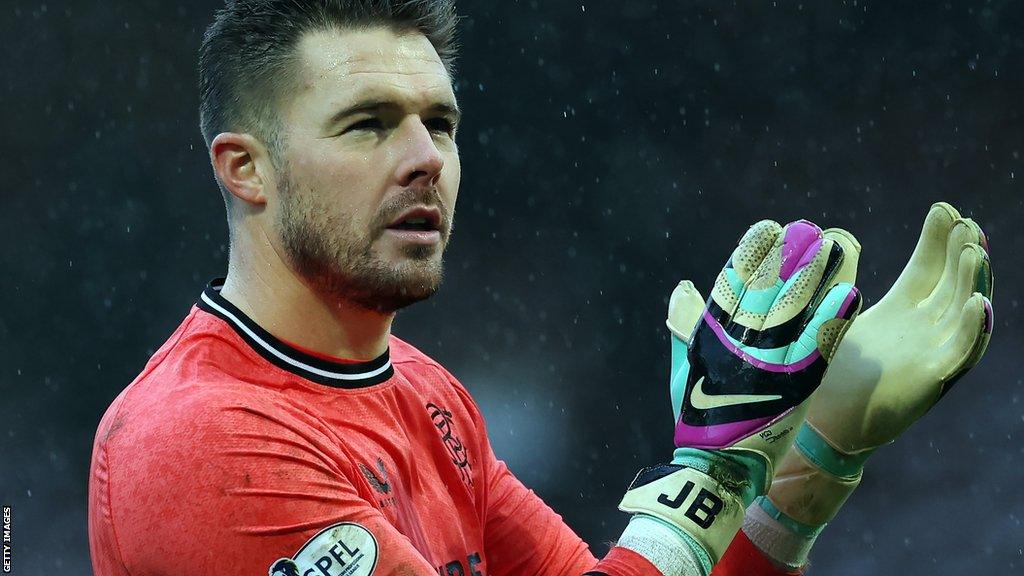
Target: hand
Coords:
[[899, 358], [742, 378], [775, 317]]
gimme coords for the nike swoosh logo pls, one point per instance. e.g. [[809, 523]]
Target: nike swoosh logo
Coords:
[[703, 401]]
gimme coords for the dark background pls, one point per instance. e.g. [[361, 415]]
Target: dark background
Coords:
[[609, 149]]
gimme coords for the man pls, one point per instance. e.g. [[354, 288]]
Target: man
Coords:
[[282, 429]]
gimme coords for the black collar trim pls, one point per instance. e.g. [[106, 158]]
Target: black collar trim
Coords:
[[337, 374]]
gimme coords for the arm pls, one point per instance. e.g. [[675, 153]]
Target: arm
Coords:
[[523, 535]]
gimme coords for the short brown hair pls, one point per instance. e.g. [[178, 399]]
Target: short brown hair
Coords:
[[247, 59]]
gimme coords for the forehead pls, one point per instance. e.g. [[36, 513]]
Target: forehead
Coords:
[[339, 66]]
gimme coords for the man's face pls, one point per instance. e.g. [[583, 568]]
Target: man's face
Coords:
[[370, 169]]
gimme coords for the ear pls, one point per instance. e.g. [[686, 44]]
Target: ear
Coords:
[[242, 164]]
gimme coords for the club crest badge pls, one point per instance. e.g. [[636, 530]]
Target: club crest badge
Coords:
[[344, 549]]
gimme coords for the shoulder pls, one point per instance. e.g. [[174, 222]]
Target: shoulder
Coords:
[[424, 372], [195, 385], [410, 361], [404, 353]]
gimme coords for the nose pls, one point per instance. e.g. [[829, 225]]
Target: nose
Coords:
[[421, 162]]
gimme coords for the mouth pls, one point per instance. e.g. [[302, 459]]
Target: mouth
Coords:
[[419, 219], [419, 225]]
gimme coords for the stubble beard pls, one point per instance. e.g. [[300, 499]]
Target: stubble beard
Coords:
[[335, 256]]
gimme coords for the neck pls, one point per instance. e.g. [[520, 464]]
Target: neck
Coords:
[[277, 299]]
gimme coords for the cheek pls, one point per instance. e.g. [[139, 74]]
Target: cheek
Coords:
[[451, 175], [332, 171], [342, 184]]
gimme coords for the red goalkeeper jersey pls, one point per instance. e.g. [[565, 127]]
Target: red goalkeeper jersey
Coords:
[[237, 453]]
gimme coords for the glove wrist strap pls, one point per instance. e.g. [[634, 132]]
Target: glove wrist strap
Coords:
[[807, 493], [819, 452], [700, 506], [740, 471]]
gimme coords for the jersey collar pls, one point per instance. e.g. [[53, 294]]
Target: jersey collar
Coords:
[[319, 370]]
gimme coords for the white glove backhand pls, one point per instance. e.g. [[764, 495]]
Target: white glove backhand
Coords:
[[896, 361]]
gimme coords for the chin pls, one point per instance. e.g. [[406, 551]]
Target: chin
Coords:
[[389, 301], [421, 278], [396, 285]]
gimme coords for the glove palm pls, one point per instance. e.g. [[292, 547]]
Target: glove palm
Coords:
[[900, 357]]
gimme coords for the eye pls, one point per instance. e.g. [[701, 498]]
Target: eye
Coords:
[[366, 124], [441, 124]]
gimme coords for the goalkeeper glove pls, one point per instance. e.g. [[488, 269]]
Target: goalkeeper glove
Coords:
[[741, 380], [899, 358]]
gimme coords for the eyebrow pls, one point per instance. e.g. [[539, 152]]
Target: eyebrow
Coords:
[[440, 108]]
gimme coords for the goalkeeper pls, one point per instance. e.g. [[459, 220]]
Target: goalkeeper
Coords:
[[282, 429]]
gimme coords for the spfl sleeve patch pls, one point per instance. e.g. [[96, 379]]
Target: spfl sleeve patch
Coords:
[[344, 549]]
